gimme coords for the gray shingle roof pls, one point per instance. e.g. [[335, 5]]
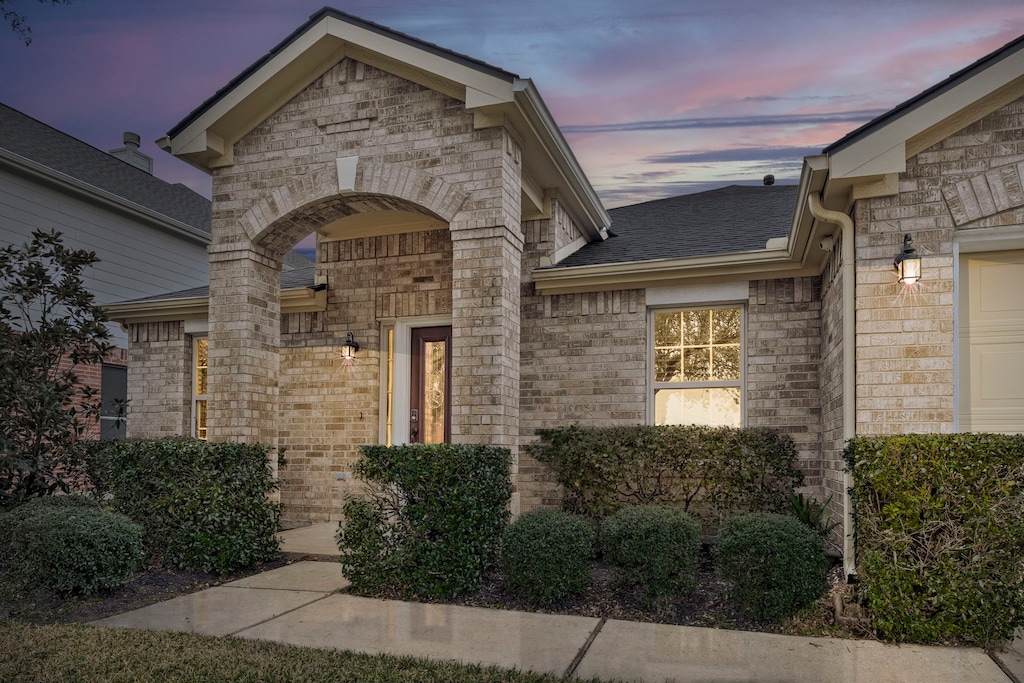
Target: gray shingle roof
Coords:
[[38, 142], [290, 279], [728, 220]]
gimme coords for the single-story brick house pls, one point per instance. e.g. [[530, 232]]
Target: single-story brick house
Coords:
[[461, 247]]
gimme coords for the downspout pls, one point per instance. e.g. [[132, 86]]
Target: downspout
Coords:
[[845, 225]]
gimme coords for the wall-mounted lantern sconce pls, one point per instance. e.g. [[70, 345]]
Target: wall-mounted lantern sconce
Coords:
[[349, 348], [908, 263]]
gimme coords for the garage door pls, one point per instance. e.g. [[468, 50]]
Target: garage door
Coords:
[[992, 342]]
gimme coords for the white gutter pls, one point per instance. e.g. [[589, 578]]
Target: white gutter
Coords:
[[848, 254], [96, 195], [295, 300]]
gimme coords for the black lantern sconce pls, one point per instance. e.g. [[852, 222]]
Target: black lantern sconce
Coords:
[[908, 263], [349, 348]]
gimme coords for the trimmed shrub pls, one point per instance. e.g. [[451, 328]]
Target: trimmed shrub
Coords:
[[545, 554], [777, 563], [431, 520], [700, 469], [656, 547], [14, 516], [74, 548], [940, 535], [204, 506]]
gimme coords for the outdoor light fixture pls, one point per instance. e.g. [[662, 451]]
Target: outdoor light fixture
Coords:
[[908, 263], [349, 348]]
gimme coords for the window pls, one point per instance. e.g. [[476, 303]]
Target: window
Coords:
[[200, 364], [114, 398], [698, 366]]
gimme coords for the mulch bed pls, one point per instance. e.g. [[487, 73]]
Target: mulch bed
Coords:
[[152, 585], [708, 606]]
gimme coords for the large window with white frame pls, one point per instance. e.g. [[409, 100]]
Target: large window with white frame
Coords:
[[698, 366], [200, 364]]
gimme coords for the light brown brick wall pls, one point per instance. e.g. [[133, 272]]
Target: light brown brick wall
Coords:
[[328, 408], [831, 381], [159, 380], [783, 345], [584, 358], [905, 363]]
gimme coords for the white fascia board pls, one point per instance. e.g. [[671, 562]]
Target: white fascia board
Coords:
[[101, 197], [759, 265], [884, 150], [575, 189], [296, 300]]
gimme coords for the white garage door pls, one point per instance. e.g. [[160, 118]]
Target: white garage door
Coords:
[[992, 342]]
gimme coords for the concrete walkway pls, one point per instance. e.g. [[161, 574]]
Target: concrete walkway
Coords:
[[316, 540], [297, 604]]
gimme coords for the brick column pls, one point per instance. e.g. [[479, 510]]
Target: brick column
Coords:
[[244, 339], [485, 330]]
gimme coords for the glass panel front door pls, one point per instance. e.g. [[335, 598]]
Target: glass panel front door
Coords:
[[430, 414]]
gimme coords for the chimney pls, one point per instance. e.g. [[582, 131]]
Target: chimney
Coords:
[[130, 153]]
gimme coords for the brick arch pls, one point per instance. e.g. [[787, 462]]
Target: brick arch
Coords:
[[309, 202]]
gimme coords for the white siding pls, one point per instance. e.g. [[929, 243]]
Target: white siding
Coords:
[[136, 260]]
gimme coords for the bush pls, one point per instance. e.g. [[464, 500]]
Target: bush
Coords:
[[545, 554], [431, 522], [699, 469], [777, 563], [656, 547], [204, 506], [72, 548], [940, 535]]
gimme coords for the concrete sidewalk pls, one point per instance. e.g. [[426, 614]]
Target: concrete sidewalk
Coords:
[[297, 604]]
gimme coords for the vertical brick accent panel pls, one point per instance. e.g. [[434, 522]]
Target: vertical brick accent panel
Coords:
[[783, 358], [583, 358], [159, 380]]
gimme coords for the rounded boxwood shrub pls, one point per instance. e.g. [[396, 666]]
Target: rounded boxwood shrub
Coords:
[[545, 554], [777, 562], [75, 548], [656, 547], [14, 516]]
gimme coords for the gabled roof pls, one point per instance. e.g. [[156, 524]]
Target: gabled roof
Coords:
[[882, 146], [35, 147], [373, 27], [730, 219], [206, 137]]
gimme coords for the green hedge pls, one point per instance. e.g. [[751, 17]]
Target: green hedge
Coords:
[[778, 564], [204, 506], [940, 534], [545, 555], [699, 469], [70, 545], [431, 519], [656, 547]]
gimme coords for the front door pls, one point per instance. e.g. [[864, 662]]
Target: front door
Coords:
[[430, 418]]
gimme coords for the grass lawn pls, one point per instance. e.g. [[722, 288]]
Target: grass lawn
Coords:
[[77, 652]]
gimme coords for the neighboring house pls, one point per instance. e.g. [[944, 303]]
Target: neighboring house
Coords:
[[149, 235], [464, 251]]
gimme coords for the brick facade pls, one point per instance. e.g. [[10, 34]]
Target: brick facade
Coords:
[[905, 339]]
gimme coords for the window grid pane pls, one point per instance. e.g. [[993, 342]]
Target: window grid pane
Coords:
[[694, 348]]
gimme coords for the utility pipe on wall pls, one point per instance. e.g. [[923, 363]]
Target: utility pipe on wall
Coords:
[[848, 254]]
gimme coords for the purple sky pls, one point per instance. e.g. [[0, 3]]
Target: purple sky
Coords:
[[656, 97]]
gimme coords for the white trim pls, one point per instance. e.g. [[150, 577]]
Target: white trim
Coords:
[[712, 293], [956, 337], [197, 328]]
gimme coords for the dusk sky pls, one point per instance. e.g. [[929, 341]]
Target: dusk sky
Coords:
[[656, 97]]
